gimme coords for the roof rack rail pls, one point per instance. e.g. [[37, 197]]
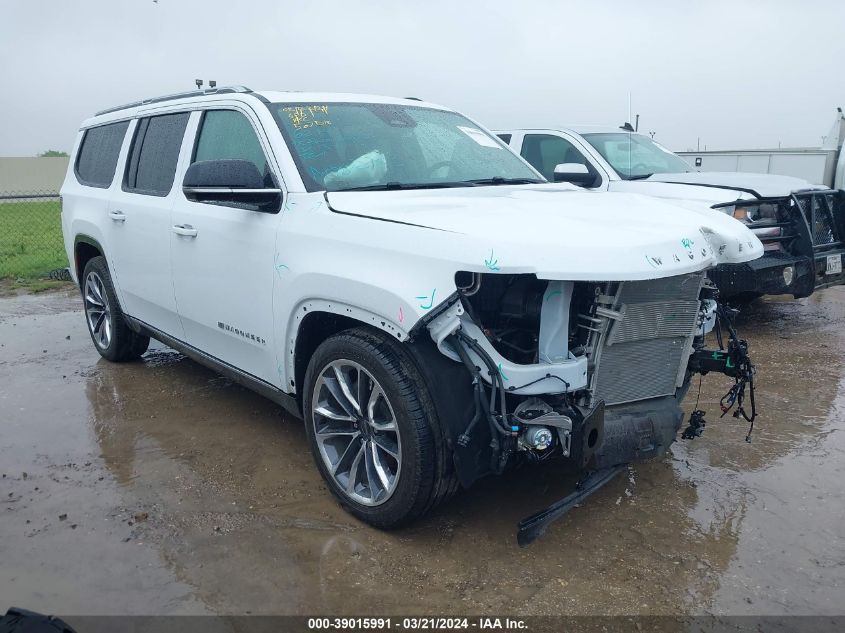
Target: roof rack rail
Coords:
[[178, 95]]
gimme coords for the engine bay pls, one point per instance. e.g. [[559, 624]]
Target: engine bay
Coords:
[[550, 360]]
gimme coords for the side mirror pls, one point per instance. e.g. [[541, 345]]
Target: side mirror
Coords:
[[576, 173], [230, 182]]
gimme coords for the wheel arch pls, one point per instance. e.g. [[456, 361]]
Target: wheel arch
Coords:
[[85, 248], [314, 321], [448, 382]]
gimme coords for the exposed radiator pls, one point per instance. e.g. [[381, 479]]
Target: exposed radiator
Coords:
[[644, 350]]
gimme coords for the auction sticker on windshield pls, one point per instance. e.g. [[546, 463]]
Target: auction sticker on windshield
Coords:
[[479, 137]]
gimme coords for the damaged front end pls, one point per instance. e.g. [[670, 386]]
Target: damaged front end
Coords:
[[589, 372]]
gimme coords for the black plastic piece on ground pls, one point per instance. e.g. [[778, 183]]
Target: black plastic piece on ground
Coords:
[[533, 527], [23, 621]]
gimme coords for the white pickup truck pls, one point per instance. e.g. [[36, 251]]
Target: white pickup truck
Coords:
[[800, 224], [391, 272]]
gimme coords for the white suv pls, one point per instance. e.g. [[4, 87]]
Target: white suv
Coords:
[[393, 273]]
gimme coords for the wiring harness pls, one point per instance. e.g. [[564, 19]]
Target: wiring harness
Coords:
[[732, 360]]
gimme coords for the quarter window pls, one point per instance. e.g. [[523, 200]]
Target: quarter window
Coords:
[[155, 152], [98, 152], [228, 135]]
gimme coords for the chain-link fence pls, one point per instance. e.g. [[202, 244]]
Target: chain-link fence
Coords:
[[31, 244]]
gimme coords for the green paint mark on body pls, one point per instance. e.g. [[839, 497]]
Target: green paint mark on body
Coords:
[[492, 263], [431, 299], [502, 374]]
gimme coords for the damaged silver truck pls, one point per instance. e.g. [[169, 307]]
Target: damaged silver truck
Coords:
[[394, 274]]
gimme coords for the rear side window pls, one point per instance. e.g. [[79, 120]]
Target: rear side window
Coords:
[[97, 157], [227, 135], [155, 151]]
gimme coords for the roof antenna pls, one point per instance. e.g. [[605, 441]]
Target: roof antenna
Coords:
[[212, 83], [199, 83]]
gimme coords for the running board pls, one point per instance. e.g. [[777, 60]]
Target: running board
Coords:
[[262, 387], [533, 527]]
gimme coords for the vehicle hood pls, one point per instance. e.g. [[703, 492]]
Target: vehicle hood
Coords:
[[759, 185], [560, 232]]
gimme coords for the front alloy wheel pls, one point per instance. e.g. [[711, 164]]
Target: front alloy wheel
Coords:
[[97, 310], [356, 432]]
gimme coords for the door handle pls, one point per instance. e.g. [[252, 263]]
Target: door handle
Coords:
[[185, 229], [117, 216]]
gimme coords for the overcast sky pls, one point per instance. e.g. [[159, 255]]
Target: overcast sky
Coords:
[[737, 74]]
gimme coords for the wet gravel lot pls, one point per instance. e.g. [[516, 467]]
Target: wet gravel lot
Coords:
[[158, 487]]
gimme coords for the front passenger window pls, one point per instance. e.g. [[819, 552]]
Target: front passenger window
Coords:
[[545, 152], [228, 134]]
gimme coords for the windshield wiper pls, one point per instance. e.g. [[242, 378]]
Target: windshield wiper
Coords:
[[499, 180], [640, 176], [395, 186]]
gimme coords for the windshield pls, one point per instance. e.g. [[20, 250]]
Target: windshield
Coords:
[[344, 146], [635, 156]]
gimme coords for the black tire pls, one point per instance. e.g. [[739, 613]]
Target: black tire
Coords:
[[426, 477], [122, 343]]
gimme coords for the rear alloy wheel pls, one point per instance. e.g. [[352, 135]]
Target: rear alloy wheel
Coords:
[[97, 310], [112, 336], [356, 432]]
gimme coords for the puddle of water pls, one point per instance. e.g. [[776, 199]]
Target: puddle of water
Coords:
[[229, 515]]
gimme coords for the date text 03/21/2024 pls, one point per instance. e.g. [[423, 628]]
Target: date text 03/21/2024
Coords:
[[416, 623]]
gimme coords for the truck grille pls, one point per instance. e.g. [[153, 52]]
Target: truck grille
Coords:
[[819, 210], [644, 350]]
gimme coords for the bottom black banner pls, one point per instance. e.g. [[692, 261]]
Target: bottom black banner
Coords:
[[21, 621]]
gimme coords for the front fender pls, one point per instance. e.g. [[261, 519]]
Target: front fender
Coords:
[[368, 304], [353, 267]]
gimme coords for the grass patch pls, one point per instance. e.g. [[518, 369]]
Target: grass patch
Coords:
[[20, 285], [31, 243]]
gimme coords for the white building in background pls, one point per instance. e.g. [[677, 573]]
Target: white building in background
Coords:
[[32, 174]]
